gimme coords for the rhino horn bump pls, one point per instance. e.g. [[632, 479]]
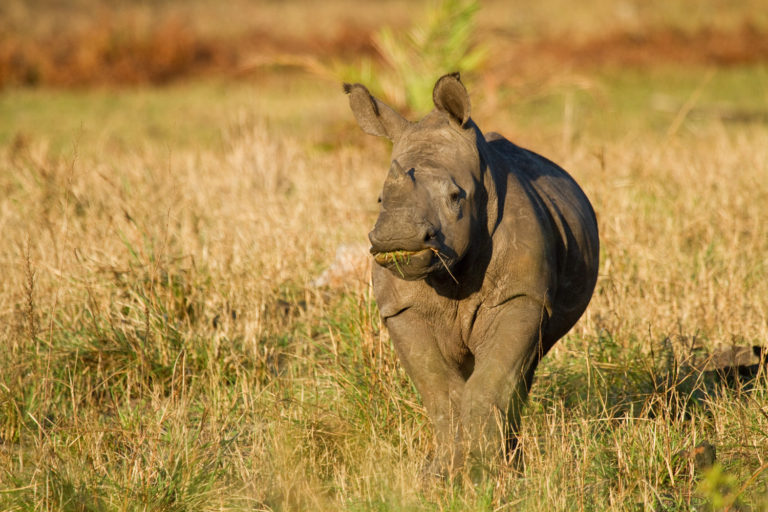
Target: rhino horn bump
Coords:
[[396, 171]]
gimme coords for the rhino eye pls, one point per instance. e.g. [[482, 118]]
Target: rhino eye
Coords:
[[379, 200], [455, 196]]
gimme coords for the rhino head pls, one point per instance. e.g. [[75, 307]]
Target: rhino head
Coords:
[[428, 204]]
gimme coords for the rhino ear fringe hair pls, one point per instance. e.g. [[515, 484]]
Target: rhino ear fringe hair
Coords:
[[348, 90]]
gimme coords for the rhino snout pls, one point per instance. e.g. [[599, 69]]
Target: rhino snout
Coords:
[[397, 237]]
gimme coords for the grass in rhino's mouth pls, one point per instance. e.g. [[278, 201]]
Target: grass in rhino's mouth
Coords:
[[398, 258], [403, 257]]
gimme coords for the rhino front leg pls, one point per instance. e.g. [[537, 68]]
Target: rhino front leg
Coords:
[[439, 382], [505, 359]]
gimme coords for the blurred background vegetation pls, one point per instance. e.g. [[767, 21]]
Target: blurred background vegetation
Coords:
[[607, 65]]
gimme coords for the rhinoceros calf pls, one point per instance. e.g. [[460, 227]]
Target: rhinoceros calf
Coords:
[[487, 254]]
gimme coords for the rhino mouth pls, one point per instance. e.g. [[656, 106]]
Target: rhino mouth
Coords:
[[399, 256], [407, 264]]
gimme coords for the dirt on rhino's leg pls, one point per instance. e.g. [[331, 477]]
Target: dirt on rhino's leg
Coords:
[[439, 382], [495, 393]]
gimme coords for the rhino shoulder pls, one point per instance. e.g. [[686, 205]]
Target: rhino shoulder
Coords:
[[544, 204], [523, 262]]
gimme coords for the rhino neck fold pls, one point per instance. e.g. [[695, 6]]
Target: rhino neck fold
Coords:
[[494, 185]]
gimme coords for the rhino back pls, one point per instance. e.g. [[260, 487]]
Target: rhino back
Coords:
[[566, 222]]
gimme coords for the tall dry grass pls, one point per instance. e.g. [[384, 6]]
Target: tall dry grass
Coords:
[[164, 348]]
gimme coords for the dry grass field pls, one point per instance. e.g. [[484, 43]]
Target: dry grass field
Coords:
[[166, 344]]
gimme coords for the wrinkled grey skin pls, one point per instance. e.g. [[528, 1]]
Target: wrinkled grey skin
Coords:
[[487, 255]]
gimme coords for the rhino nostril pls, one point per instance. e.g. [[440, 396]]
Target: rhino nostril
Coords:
[[429, 235]]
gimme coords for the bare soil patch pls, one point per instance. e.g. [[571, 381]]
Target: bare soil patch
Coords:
[[708, 46], [105, 52]]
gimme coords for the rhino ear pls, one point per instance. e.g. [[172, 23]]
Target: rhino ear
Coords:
[[374, 116], [451, 97]]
